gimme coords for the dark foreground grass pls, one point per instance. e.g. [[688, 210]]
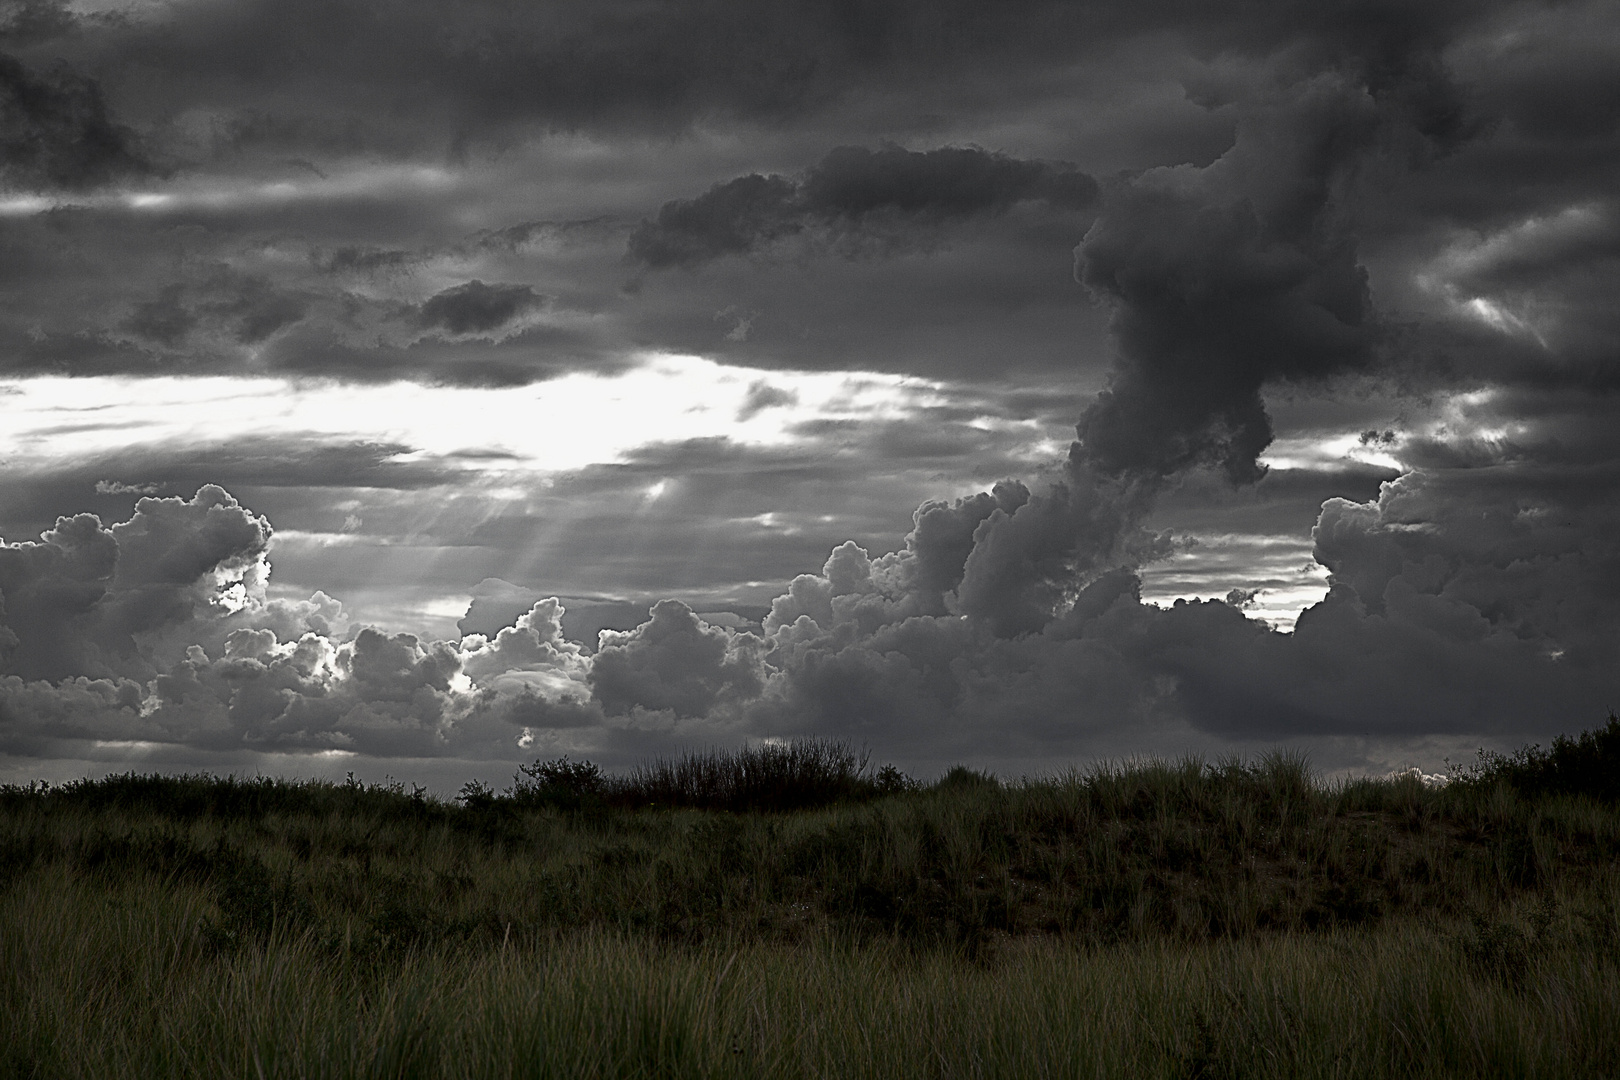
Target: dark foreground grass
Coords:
[[1161, 919]]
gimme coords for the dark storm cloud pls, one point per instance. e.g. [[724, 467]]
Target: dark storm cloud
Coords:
[[761, 396], [24, 21], [219, 100], [56, 131], [474, 307], [165, 319], [1223, 279], [259, 310], [1467, 630], [343, 72], [240, 308], [992, 303], [1583, 238], [732, 218], [1454, 162], [1550, 71], [363, 260], [852, 182], [1477, 592], [1542, 286], [851, 191], [68, 352]]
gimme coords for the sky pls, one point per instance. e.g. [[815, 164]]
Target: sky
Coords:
[[416, 389]]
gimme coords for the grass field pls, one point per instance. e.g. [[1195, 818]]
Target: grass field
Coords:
[[787, 912]]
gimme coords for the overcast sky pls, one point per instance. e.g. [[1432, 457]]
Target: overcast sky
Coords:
[[418, 388]]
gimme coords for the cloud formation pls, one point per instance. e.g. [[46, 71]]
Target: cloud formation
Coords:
[[475, 307], [159, 629], [851, 194], [56, 131], [1009, 615], [1314, 221], [1225, 278]]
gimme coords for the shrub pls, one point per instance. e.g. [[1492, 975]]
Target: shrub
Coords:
[[1588, 764], [476, 795], [559, 782]]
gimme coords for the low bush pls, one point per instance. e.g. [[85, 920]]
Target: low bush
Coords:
[[1587, 764]]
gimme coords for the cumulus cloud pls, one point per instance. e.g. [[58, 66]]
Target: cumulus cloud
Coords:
[[493, 605], [529, 657], [853, 192], [1027, 565], [159, 630], [1440, 623], [129, 599], [675, 662], [1009, 624], [49, 590], [1468, 632], [1224, 278], [1482, 552]]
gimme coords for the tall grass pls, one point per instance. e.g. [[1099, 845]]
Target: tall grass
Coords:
[[768, 777], [1162, 919], [123, 985]]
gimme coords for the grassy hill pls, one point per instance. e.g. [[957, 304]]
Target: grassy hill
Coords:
[[785, 911]]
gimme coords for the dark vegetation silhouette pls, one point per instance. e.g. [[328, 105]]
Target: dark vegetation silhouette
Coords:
[[1507, 877], [1587, 764], [772, 777]]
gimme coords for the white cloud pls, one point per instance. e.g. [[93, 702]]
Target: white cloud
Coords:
[[564, 424]]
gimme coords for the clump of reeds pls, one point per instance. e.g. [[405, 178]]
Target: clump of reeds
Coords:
[[769, 777]]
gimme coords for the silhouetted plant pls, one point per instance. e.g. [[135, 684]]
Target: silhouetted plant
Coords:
[[559, 780], [476, 795], [770, 777], [961, 777], [1587, 764]]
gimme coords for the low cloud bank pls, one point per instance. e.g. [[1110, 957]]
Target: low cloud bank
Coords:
[[1009, 625]]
